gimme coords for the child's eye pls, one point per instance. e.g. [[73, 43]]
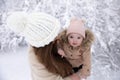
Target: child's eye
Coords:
[[79, 37], [71, 36]]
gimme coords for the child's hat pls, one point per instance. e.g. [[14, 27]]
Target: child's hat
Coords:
[[39, 29], [76, 26]]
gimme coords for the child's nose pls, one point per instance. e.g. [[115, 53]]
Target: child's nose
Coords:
[[75, 40]]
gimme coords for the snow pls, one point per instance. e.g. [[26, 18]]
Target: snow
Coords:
[[15, 65]]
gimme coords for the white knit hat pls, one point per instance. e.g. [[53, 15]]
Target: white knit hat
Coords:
[[39, 29]]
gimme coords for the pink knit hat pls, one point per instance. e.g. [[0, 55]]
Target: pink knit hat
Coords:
[[76, 26]]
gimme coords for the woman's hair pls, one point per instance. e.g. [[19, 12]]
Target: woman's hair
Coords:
[[53, 62]]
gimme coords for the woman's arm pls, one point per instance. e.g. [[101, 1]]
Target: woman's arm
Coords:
[[39, 72]]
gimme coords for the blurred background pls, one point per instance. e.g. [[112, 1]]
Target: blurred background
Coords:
[[101, 16]]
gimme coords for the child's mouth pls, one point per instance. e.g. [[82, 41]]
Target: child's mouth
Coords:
[[74, 43]]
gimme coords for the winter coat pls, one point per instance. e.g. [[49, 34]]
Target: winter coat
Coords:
[[80, 55], [38, 70]]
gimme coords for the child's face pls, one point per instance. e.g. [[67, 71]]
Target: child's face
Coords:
[[74, 39]]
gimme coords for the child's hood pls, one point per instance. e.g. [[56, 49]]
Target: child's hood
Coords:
[[89, 38], [87, 42]]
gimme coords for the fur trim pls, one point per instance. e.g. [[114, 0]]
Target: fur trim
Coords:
[[89, 38]]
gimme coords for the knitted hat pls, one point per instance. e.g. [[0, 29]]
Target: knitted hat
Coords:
[[39, 29], [76, 26]]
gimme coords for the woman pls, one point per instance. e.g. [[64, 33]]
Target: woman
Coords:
[[40, 31]]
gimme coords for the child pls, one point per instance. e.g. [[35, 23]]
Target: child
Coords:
[[74, 44]]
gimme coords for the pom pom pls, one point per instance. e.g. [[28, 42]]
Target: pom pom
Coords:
[[17, 21]]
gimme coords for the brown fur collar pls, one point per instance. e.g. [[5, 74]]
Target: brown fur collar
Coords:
[[89, 38]]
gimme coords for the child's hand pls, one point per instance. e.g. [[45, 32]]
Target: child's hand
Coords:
[[75, 77], [61, 52], [82, 77]]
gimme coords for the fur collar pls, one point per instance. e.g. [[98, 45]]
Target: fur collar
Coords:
[[89, 38]]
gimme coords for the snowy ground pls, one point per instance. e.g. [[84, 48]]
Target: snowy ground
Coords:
[[15, 66]]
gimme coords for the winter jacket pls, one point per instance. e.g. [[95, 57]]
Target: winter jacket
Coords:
[[38, 70], [80, 55]]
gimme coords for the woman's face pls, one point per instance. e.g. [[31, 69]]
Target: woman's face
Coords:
[[74, 39]]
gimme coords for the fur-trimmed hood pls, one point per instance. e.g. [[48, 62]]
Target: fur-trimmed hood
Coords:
[[87, 42], [89, 38]]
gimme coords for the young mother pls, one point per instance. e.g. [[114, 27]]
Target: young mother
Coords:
[[40, 31]]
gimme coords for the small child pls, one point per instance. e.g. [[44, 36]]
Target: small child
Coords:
[[74, 44]]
